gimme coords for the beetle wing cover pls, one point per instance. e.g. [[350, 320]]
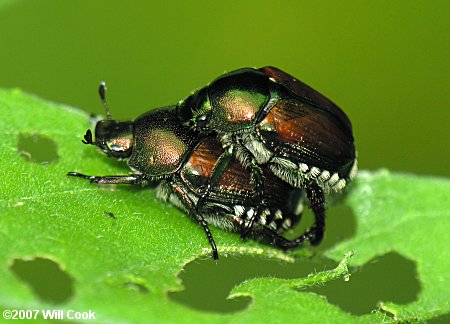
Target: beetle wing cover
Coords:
[[199, 168], [304, 133], [308, 94], [234, 179]]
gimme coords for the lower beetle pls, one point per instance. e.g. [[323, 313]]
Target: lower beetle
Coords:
[[158, 148], [266, 117]]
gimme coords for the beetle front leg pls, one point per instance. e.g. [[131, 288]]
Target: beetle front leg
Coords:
[[118, 179]]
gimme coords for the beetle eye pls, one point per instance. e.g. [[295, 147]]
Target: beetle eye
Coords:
[[119, 144], [201, 120], [115, 148]]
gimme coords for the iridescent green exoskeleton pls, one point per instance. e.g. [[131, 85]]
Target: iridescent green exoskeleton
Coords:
[[158, 148], [267, 118]]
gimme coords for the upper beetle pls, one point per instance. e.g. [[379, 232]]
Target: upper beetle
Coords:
[[158, 148], [266, 117]]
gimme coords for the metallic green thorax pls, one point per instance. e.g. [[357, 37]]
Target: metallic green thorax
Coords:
[[236, 109], [161, 145], [237, 98]]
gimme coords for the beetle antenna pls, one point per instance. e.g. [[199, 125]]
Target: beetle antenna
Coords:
[[88, 138], [102, 93]]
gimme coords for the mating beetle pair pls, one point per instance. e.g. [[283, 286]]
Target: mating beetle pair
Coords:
[[238, 154]]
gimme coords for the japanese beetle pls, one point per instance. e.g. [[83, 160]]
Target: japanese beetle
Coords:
[[267, 118], [158, 148]]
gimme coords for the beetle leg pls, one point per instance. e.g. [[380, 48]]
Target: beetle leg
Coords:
[[258, 183], [247, 228], [270, 237], [189, 205], [205, 227], [233, 146], [118, 179], [317, 199], [245, 157], [219, 168], [315, 233]]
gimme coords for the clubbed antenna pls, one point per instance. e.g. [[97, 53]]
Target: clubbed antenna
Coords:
[[88, 138], [102, 93]]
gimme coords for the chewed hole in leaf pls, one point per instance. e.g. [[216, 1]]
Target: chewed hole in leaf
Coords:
[[208, 284], [45, 278], [37, 148], [389, 278]]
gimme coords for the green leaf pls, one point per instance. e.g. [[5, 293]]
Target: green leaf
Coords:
[[411, 216], [122, 268]]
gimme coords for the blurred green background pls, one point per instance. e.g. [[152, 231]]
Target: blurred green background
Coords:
[[386, 63]]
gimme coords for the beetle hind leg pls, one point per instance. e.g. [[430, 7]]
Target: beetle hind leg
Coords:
[[270, 237], [258, 197], [317, 199], [315, 234]]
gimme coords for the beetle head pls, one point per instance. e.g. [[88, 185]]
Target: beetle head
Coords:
[[195, 111], [114, 138]]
